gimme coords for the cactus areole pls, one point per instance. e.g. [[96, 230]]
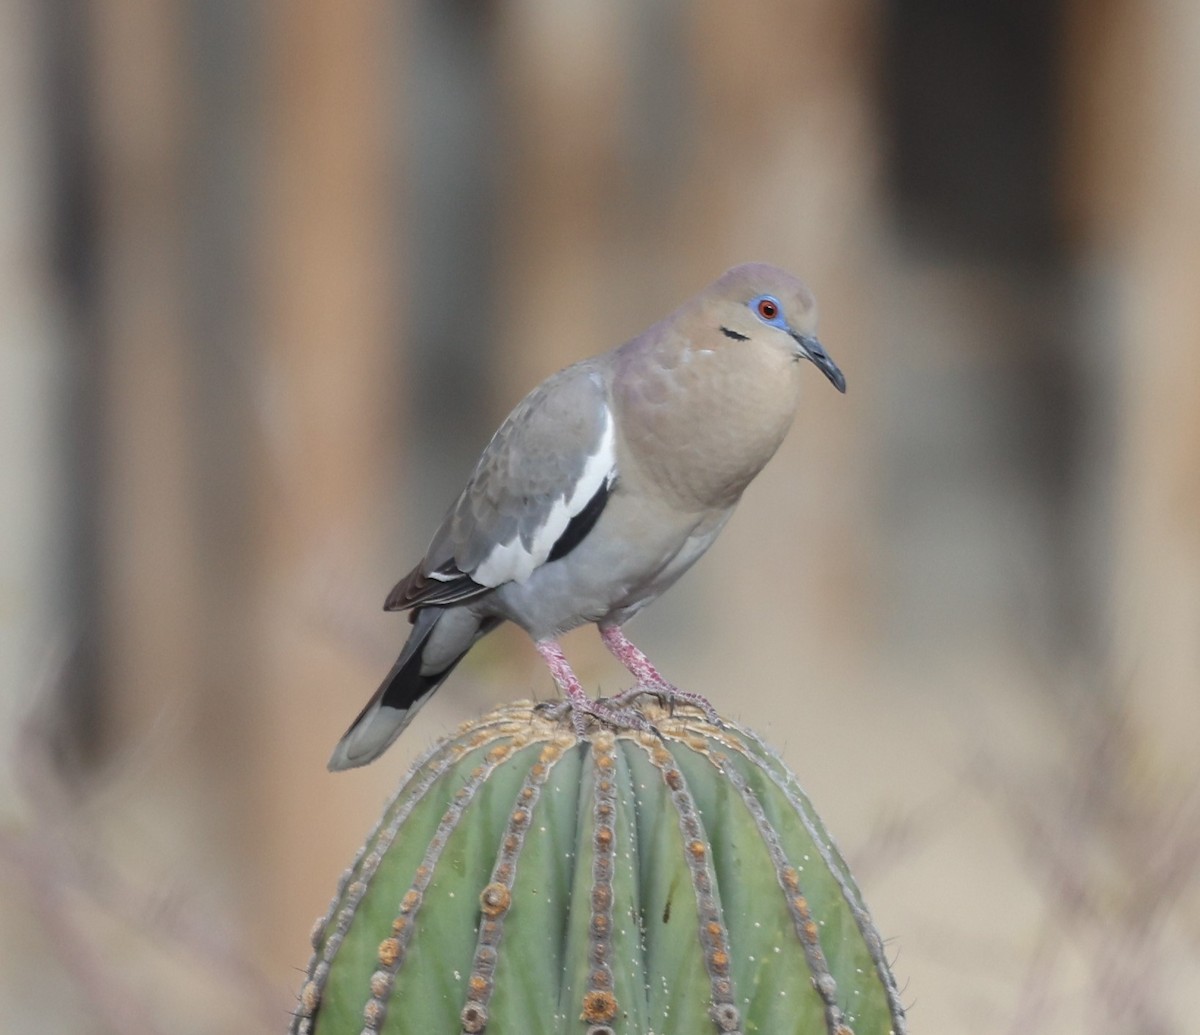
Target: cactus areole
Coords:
[[525, 880]]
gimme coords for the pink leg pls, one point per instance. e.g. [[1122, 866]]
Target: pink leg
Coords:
[[577, 700], [650, 681]]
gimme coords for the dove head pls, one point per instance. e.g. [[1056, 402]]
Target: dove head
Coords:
[[763, 306], [705, 397]]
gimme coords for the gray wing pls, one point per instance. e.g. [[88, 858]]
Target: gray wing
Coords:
[[538, 488]]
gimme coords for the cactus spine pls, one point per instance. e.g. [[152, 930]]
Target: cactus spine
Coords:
[[525, 881]]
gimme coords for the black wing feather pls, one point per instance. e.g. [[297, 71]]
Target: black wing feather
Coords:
[[582, 523]]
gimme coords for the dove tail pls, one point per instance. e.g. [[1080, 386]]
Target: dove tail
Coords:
[[439, 640]]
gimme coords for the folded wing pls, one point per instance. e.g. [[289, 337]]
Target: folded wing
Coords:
[[539, 487]]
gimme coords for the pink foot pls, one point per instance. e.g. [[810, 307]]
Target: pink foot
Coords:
[[577, 701], [650, 681]]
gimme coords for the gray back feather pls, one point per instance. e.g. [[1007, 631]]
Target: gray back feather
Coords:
[[534, 459]]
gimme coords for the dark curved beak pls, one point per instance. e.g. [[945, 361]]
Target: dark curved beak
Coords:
[[812, 349]]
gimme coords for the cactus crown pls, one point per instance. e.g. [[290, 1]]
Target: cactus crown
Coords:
[[526, 880]]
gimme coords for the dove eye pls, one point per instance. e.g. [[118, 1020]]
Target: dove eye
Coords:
[[768, 309]]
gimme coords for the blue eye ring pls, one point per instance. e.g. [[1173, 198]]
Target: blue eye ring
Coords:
[[768, 309]]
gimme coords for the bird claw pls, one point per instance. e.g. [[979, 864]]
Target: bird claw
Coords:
[[603, 710], [669, 696], [627, 718]]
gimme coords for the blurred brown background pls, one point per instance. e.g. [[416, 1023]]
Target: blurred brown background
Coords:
[[270, 273]]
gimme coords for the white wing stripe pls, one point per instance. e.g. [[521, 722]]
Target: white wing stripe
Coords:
[[511, 561]]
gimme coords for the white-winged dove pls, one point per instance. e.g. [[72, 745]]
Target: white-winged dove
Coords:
[[602, 487]]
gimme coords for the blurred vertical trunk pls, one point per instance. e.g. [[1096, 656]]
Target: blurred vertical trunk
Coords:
[[149, 563], [33, 374], [330, 413], [246, 376], [1137, 204]]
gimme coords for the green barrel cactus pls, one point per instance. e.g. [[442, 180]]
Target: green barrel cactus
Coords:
[[524, 880]]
